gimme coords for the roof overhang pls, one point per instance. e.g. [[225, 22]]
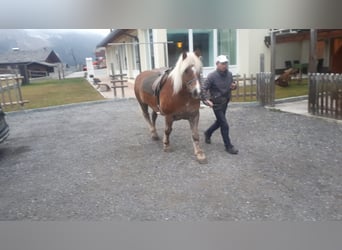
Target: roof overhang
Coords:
[[114, 35], [110, 37]]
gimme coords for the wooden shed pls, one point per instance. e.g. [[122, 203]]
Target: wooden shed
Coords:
[[30, 63]]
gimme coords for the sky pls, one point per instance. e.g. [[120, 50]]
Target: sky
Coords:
[[103, 32]]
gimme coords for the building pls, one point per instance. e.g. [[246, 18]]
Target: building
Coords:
[[133, 50], [293, 47], [30, 63], [130, 51]]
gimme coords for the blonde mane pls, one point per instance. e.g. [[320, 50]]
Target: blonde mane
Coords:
[[181, 65]]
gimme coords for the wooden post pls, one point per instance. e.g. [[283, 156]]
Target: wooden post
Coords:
[[244, 87], [312, 103], [2, 92], [260, 88], [17, 80], [262, 62], [24, 73], [272, 80], [121, 78], [113, 78], [9, 91], [312, 55]]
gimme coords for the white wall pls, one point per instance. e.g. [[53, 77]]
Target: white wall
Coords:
[[144, 57], [288, 52], [243, 47], [159, 36], [250, 44], [305, 51]]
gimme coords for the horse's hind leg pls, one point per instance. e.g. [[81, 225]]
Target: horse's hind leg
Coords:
[[152, 124], [154, 130]]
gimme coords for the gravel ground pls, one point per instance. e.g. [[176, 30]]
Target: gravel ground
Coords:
[[95, 161]]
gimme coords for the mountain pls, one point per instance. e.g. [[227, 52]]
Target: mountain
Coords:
[[72, 46]]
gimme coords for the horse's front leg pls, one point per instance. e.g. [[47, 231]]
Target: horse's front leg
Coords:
[[153, 127], [194, 120], [167, 132]]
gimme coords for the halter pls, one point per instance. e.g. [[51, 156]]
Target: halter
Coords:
[[192, 80]]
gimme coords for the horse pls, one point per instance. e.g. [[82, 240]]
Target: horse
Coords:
[[175, 94]]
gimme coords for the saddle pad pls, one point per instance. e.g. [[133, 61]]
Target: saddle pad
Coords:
[[148, 82]]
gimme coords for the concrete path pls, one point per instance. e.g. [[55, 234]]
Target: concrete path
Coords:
[[299, 106]]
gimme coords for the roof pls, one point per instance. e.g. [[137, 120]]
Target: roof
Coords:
[[110, 37], [26, 56]]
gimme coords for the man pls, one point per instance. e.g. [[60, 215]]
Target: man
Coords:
[[216, 93]]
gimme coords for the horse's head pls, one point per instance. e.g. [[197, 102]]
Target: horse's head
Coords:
[[187, 74], [191, 81]]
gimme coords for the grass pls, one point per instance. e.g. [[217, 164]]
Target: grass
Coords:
[[295, 88], [56, 92]]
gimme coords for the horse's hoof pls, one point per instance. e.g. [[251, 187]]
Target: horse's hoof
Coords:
[[202, 159], [155, 137], [167, 149]]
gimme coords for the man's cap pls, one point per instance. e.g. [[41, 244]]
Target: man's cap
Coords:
[[222, 59]]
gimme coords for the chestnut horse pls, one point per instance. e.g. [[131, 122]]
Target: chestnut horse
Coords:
[[177, 96]]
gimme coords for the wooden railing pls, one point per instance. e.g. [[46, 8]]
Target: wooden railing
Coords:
[[10, 91], [247, 88]]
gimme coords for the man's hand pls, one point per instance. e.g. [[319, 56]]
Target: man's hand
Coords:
[[233, 86], [209, 103]]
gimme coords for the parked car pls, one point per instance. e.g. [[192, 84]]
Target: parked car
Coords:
[[4, 128]]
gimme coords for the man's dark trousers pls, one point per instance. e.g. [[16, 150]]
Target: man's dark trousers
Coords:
[[221, 122]]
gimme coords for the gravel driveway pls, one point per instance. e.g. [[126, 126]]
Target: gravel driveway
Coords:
[[95, 161]]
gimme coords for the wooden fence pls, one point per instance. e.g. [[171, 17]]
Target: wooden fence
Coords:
[[10, 91], [254, 88], [247, 88], [325, 95]]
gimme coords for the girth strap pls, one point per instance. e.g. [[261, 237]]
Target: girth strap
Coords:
[[159, 83]]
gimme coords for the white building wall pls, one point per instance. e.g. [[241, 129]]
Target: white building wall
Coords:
[[144, 55], [258, 47], [160, 38], [109, 59], [250, 45], [305, 47], [242, 62], [287, 52]]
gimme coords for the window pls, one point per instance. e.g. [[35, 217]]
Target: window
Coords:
[[209, 42], [203, 41], [176, 36], [226, 39]]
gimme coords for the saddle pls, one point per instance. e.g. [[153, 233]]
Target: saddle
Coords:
[[154, 83], [158, 83]]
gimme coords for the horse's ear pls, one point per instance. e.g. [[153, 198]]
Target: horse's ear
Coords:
[[185, 54], [197, 52]]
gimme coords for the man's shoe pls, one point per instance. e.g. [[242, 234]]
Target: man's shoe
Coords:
[[232, 150], [207, 138]]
